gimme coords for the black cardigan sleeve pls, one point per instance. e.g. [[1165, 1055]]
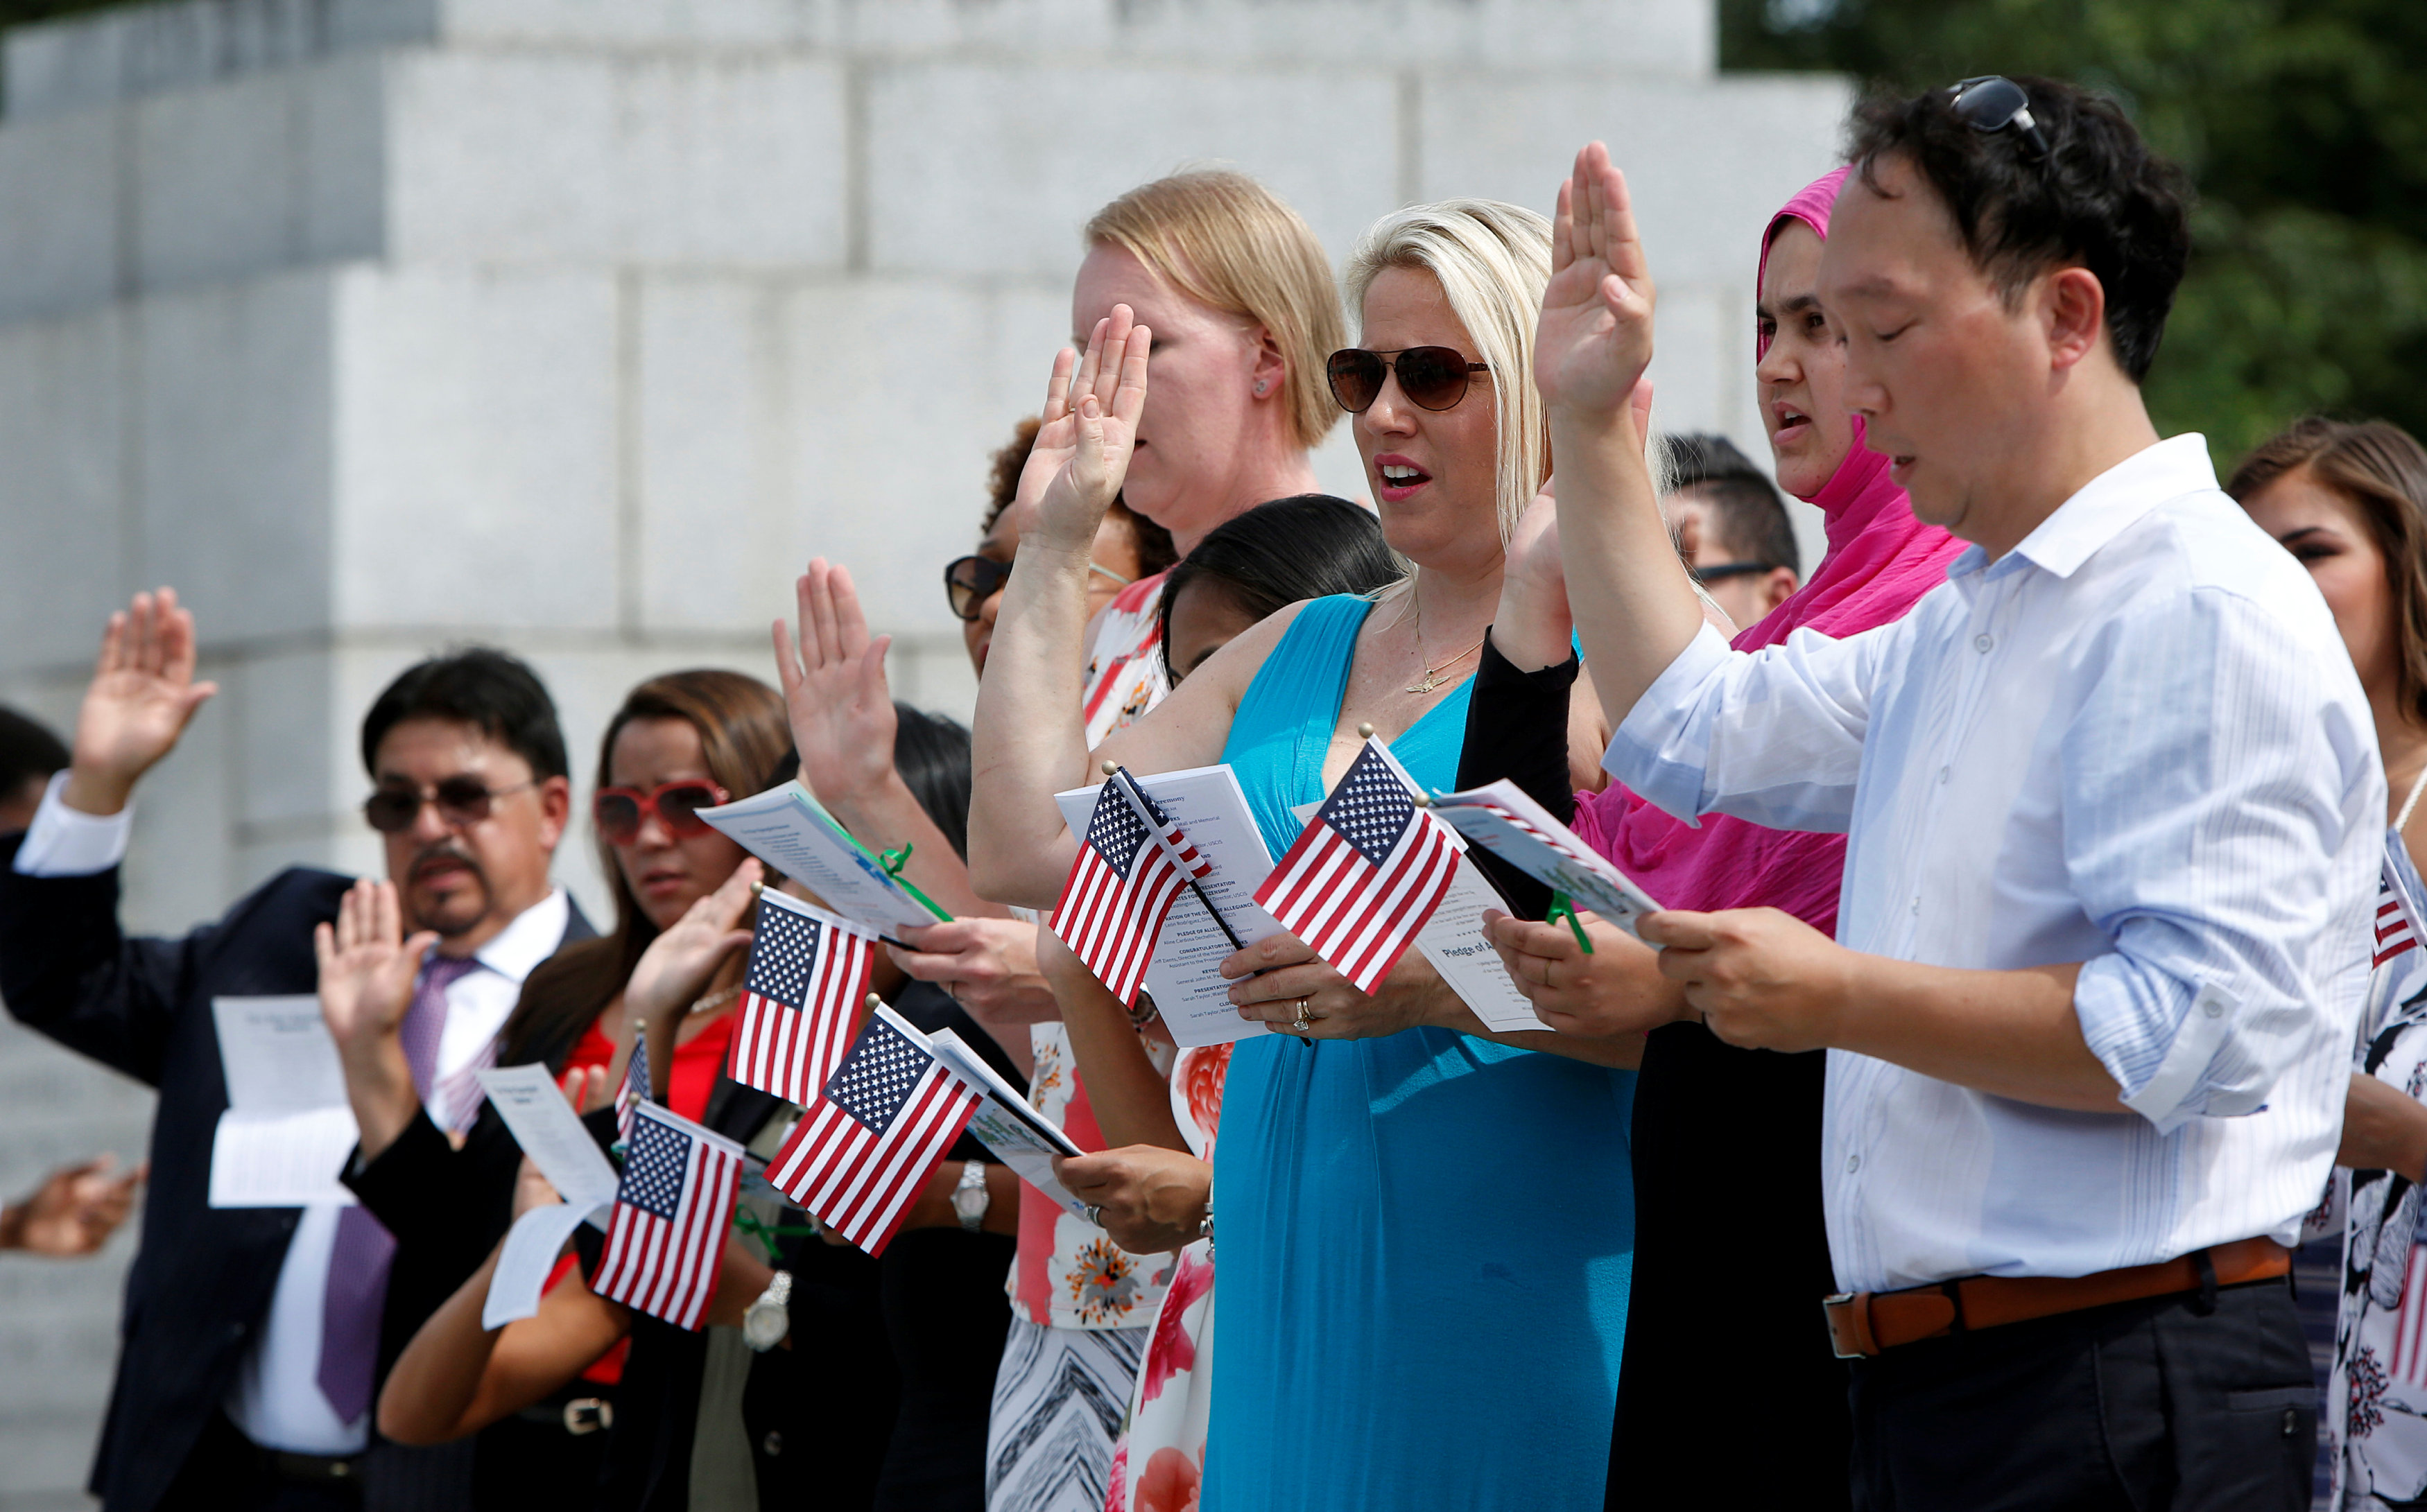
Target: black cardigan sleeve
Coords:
[[1517, 729]]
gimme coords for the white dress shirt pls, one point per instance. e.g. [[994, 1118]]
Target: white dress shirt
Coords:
[[276, 1399], [2135, 741]]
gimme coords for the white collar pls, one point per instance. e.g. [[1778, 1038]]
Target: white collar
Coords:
[[2111, 503], [518, 949]]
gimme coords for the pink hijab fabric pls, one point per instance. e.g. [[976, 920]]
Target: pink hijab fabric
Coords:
[[1880, 561]]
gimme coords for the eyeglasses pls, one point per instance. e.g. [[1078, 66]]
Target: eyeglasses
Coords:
[[1434, 377], [969, 581], [1992, 103], [620, 812], [463, 801], [1721, 572]]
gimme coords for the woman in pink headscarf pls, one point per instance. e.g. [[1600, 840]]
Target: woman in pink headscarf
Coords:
[[1731, 1247]]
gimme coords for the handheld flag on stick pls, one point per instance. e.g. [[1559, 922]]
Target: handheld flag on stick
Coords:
[[635, 1090], [875, 1130], [2395, 931], [667, 1231], [799, 995], [1365, 876], [1131, 865]]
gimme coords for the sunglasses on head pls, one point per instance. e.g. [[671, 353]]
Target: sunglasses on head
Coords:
[[620, 812], [969, 581], [1991, 103], [463, 801], [1433, 378]]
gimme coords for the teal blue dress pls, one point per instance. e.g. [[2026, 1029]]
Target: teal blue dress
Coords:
[[1423, 1241]]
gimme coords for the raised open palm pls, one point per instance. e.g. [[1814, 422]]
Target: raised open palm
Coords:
[[1086, 432], [835, 690], [680, 962], [1595, 336], [368, 967], [142, 697]]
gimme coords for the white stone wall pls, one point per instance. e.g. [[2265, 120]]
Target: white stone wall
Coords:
[[576, 325]]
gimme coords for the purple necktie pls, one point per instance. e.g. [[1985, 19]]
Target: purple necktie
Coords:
[[357, 1290]]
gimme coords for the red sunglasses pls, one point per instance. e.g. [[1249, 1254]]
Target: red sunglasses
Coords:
[[620, 812]]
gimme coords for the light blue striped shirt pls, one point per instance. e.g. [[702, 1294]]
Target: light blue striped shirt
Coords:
[[2135, 741]]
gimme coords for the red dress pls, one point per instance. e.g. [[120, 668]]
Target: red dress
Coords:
[[698, 1062]]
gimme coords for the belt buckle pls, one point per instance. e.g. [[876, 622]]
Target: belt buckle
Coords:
[[1848, 1314], [588, 1414]]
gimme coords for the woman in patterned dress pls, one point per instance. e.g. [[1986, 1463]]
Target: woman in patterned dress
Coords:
[[2350, 502]]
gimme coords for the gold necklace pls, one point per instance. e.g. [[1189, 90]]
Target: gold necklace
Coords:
[[1432, 674]]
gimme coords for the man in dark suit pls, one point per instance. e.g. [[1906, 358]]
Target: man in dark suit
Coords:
[[252, 1337]]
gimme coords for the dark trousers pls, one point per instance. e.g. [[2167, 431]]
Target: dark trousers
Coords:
[[229, 1473], [2169, 1404]]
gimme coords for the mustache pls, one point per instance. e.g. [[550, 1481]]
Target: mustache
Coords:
[[443, 851]]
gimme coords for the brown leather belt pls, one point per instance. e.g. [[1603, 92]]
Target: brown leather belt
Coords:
[[1862, 1324]]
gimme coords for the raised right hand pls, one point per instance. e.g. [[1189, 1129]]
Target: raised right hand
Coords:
[[835, 690], [141, 698], [367, 969], [1595, 336], [1086, 434], [682, 960]]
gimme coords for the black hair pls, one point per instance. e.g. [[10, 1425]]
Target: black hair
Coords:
[[28, 751], [2099, 198], [479, 685], [1306, 546], [1751, 515], [931, 754]]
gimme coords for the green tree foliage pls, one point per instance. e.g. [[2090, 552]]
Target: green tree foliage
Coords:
[[2303, 122]]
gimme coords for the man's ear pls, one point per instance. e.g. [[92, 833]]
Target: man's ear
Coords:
[[2072, 312], [1778, 585], [555, 811]]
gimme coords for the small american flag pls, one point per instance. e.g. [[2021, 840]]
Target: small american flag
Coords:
[[635, 1090], [1122, 884], [800, 995], [2394, 930], [1366, 872], [877, 1127], [667, 1231]]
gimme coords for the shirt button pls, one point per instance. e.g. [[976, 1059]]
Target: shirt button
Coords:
[[1943, 772], [2212, 1008], [1853, 1162], [773, 1443], [1981, 642], [1916, 906]]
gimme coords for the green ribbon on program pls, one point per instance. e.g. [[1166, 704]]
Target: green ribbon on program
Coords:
[[894, 861], [1563, 906], [753, 1226]]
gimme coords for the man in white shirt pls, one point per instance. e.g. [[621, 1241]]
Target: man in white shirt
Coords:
[[253, 1338], [2113, 807]]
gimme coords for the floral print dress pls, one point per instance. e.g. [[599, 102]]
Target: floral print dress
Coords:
[[2378, 1393], [1161, 1461]]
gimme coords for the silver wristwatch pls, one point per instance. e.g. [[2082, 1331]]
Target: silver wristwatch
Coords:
[[969, 1198], [768, 1320]]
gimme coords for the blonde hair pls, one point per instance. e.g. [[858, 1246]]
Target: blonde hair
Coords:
[[1492, 261], [1226, 241]]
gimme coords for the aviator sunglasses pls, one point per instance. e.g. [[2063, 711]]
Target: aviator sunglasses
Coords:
[[1433, 378], [463, 801], [1992, 103], [620, 812]]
